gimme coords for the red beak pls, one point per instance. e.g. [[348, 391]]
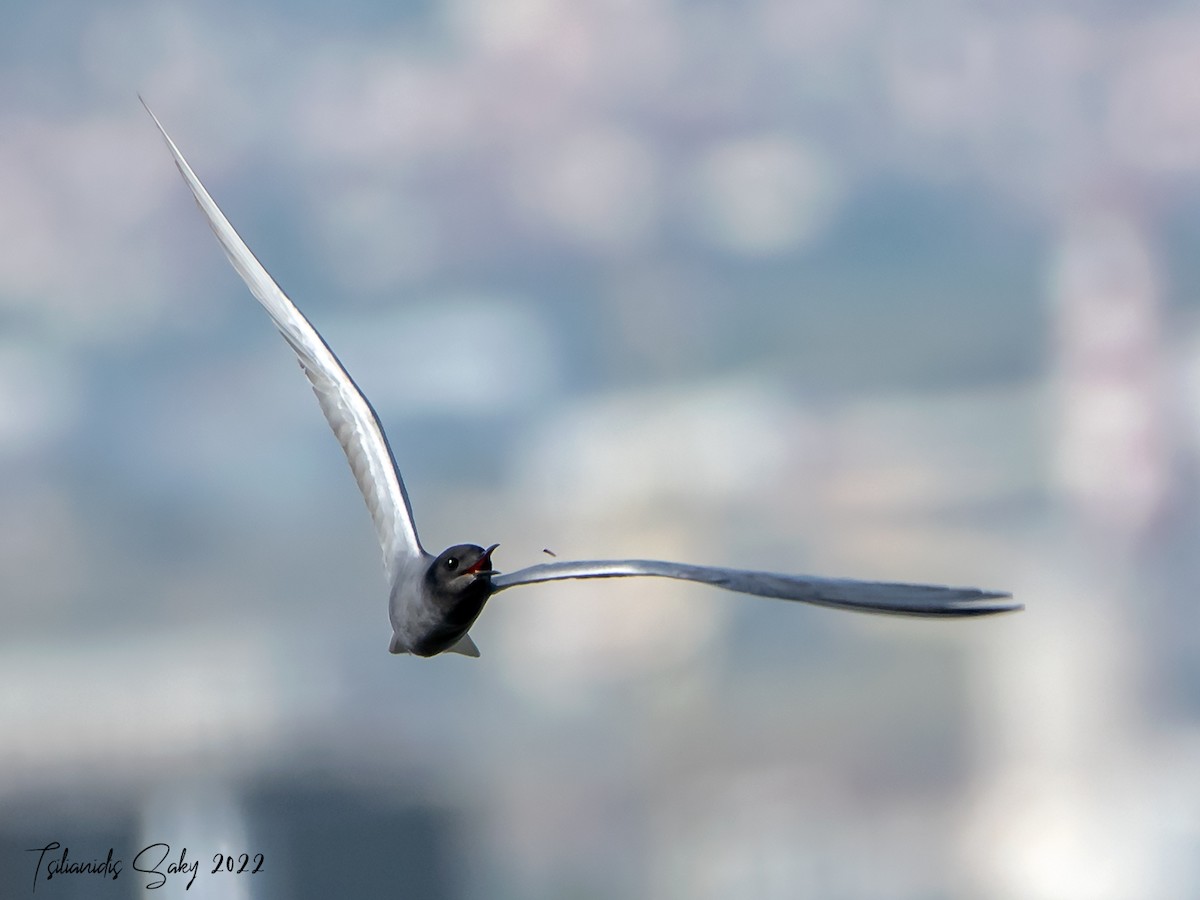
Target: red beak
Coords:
[[483, 561]]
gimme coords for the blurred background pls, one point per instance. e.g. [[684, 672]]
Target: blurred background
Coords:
[[831, 286]]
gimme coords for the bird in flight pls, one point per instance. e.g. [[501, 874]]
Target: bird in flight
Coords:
[[435, 600]]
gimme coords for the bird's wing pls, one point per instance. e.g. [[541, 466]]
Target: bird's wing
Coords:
[[839, 593], [350, 415]]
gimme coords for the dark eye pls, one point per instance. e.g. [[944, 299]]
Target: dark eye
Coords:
[[451, 563]]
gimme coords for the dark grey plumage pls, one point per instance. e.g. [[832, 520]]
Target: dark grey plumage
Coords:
[[434, 601]]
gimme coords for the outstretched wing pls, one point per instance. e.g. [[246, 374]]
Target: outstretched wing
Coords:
[[839, 593], [350, 415]]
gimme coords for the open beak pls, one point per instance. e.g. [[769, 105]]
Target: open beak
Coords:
[[478, 568]]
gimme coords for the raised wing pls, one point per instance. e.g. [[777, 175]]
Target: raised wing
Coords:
[[839, 593], [350, 415]]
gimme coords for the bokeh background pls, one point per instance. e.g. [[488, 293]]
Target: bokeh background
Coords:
[[899, 291]]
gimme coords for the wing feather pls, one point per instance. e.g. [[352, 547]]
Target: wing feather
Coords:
[[350, 415], [839, 593]]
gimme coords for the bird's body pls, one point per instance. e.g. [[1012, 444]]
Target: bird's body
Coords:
[[433, 605], [416, 623], [434, 601]]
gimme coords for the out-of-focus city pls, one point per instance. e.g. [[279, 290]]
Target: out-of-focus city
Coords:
[[848, 287]]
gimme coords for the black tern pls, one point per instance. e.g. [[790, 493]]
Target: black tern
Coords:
[[434, 601]]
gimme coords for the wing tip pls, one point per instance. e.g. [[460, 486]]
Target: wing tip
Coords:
[[149, 111], [983, 603]]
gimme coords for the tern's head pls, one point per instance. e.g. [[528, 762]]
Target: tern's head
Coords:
[[461, 571]]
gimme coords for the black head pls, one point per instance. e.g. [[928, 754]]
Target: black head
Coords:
[[461, 571], [458, 583]]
